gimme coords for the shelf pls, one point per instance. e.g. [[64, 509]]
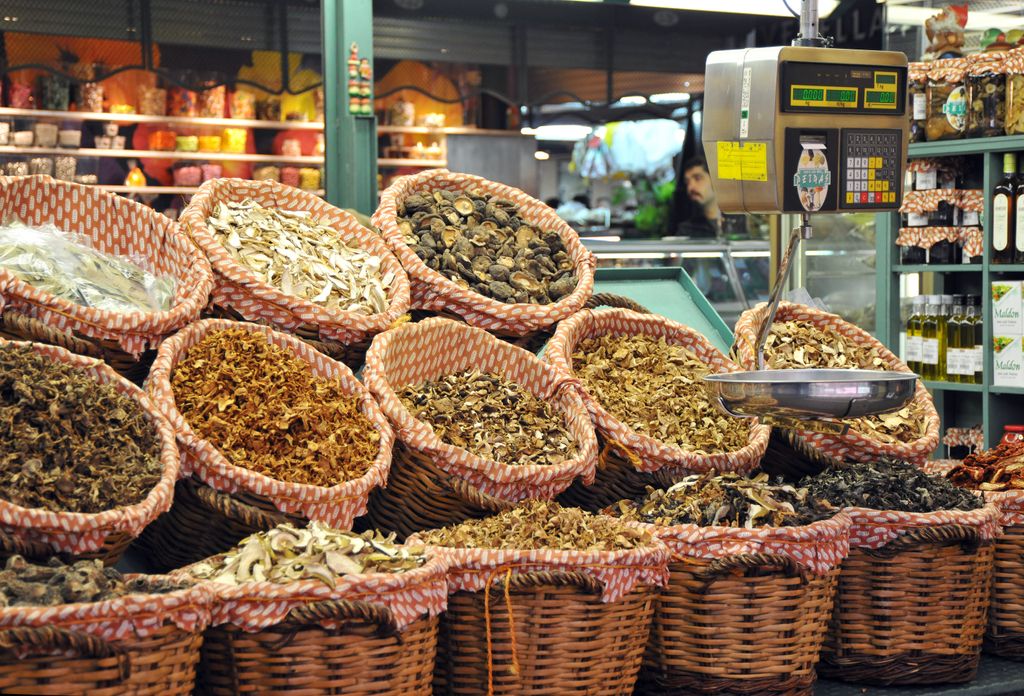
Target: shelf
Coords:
[[447, 130], [952, 386], [1006, 390], [165, 120], [1006, 267], [939, 268], [970, 146], [400, 162], [184, 190], [159, 154]]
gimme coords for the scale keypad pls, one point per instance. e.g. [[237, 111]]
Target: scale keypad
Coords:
[[871, 171]]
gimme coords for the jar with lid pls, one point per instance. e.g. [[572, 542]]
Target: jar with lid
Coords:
[[1013, 66], [986, 95], [917, 100], [947, 100], [1012, 434]]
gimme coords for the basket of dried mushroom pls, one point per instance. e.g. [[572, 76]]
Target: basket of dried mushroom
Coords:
[[479, 422], [86, 629], [545, 600], [999, 474], [803, 337], [485, 252], [289, 259], [914, 590], [356, 612], [753, 573], [86, 459], [269, 429], [641, 380], [94, 272]]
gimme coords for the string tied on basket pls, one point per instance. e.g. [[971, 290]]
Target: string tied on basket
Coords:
[[625, 451], [487, 626]]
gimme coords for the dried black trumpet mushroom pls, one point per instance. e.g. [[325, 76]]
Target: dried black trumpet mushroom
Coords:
[[67, 442], [480, 242], [889, 484]]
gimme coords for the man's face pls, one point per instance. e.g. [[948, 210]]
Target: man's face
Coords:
[[698, 185]]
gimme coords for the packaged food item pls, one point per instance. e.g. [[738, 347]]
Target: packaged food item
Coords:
[[210, 170], [187, 174], [290, 176], [152, 101], [90, 97], [1014, 434], [269, 109], [45, 134], [105, 142], [212, 101], [243, 104], [69, 138], [23, 138], [309, 178], [291, 147], [54, 92], [5, 132], [947, 100], [64, 168], [917, 98], [122, 109], [234, 140], [209, 143], [186, 143], [986, 96], [181, 102], [41, 165], [19, 95], [1013, 66], [16, 168], [162, 140], [267, 172]]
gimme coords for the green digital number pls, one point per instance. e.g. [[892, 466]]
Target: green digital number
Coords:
[[846, 96]]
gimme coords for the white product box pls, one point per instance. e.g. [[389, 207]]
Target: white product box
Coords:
[[1007, 361], [1006, 308]]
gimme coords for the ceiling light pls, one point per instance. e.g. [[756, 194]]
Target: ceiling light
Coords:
[[670, 98], [562, 132], [541, 155], [771, 8], [633, 100]]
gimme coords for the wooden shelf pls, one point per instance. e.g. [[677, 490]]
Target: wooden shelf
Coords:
[[936, 385], [401, 162], [969, 146], [939, 268], [165, 120], [447, 130], [1006, 390], [1006, 267], [160, 154]]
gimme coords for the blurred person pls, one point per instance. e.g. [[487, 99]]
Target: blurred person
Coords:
[[707, 220]]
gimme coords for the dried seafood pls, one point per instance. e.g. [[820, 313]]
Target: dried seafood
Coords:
[[491, 417], [51, 260], [540, 524], [801, 344], [655, 389], [27, 584], [265, 410], [998, 469], [889, 485], [67, 442], [302, 256], [317, 552], [727, 500], [480, 242]]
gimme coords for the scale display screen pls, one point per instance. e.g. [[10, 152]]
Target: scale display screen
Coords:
[[829, 87]]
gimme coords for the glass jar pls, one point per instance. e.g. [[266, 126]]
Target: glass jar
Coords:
[[986, 96], [917, 101], [1013, 66], [1012, 434], [947, 100]]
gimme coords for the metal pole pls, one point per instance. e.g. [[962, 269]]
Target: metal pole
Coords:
[[808, 23], [802, 231]]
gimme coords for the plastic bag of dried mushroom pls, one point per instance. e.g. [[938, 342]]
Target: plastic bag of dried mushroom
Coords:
[[86, 459], [287, 258], [804, 337], [484, 251], [265, 418]]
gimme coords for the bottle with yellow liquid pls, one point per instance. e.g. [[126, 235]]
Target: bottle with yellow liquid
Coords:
[[930, 338], [912, 347], [957, 354]]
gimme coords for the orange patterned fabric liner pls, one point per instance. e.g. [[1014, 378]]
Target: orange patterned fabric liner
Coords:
[[1013, 63], [928, 201], [432, 291], [853, 445], [1010, 504], [114, 225], [336, 506], [652, 454], [873, 529], [918, 72], [472, 570], [927, 237], [964, 437], [77, 532], [427, 350], [939, 467], [240, 289], [973, 240], [254, 606], [128, 618], [987, 63], [819, 547], [948, 70], [923, 164]]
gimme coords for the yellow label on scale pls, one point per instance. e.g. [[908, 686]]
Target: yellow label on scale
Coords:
[[743, 161]]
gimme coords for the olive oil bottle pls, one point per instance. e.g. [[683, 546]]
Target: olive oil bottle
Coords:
[[979, 339], [913, 344], [958, 357], [1004, 213], [930, 338]]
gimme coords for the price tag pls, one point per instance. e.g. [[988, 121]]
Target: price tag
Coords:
[[743, 161]]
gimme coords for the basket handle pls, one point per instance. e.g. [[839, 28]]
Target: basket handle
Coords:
[[607, 299], [476, 497], [963, 535], [585, 581], [32, 329], [315, 612], [45, 639], [10, 545], [248, 515], [749, 561]]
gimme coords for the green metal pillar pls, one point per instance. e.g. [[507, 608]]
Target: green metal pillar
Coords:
[[351, 141]]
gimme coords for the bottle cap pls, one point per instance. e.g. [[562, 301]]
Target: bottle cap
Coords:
[[1009, 163]]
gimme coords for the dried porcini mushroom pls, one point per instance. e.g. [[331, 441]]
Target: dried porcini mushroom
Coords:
[[541, 524], [998, 469], [889, 484], [317, 552], [27, 584], [727, 500], [301, 256], [491, 417], [69, 443], [478, 240], [656, 389], [265, 410], [801, 344]]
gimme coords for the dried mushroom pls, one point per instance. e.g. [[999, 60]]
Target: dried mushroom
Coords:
[[265, 410], [481, 242], [317, 552], [727, 500], [302, 256], [491, 417], [801, 344], [27, 584], [889, 485], [998, 469], [541, 524], [69, 443], [656, 389]]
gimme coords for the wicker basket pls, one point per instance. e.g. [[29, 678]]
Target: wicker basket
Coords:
[[935, 581], [1005, 633], [790, 456], [112, 224], [240, 295]]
